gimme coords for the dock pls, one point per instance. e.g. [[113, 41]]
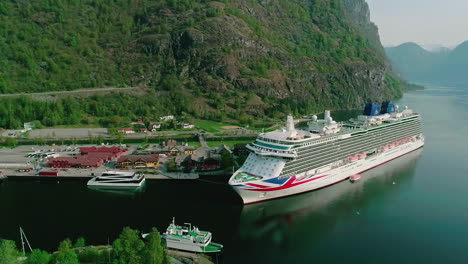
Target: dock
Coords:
[[87, 174], [15, 164]]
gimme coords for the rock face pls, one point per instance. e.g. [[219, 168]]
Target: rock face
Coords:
[[255, 56], [359, 13], [308, 53]]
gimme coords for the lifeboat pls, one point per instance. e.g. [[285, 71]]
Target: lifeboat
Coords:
[[354, 177], [362, 155], [384, 147], [353, 158]]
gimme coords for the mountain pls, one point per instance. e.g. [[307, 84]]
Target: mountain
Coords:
[[435, 47], [441, 66], [206, 58]]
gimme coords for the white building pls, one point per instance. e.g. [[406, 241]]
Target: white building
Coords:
[[166, 118], [187, 126]]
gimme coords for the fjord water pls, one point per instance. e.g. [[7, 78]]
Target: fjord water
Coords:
[[410, 210]]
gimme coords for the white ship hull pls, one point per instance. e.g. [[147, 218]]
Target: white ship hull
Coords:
[[257, 191], [93, 183], [185, 245]]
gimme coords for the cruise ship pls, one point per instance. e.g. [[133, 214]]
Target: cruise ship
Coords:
[[291, 161]]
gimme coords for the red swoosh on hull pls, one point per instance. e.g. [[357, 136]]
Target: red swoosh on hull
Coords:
[[290, 183], [257, 185]]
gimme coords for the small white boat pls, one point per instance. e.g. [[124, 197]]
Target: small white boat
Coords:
[[189, 238], [355, 177], [118, 179]]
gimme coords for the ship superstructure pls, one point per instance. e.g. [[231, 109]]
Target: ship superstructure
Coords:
[[190, 239], [290, 161]]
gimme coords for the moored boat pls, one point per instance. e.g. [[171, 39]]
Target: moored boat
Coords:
[[118, 179], [189, 238]]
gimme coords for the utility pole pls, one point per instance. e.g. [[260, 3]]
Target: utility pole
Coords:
[[22, 234]]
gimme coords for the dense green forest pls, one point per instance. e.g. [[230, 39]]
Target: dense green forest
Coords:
[[128, 248], [210, 59]]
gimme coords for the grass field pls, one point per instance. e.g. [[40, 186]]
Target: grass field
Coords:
[[211, 126], [230, 144], [195, 144], [76, 126]]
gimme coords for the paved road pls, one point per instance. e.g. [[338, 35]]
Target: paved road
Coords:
[[90, 90], [202, 141]]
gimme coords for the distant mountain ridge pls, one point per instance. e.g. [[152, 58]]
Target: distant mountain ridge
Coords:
[[442, 66]]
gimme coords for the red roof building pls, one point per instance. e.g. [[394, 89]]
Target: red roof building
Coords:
[[48, 173], [91, 157], [103, 149]]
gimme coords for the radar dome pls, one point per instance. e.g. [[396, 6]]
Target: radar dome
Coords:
[[314, 118]]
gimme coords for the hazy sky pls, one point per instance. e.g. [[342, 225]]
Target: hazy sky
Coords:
[[421, 21]]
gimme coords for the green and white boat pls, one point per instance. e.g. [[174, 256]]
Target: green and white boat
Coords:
[[190, 239]]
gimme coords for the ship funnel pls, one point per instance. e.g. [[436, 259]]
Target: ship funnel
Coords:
[[327, 116], [290, 123]]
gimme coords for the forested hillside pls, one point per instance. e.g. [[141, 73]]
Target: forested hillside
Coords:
[[236, 59]]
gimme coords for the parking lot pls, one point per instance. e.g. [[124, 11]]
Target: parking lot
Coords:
[[66, 133]]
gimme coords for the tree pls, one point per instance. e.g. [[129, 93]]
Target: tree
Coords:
[[153, 252], [120, 137], [8, 252], [38, 256], [128, 247], [226, 160], [90, 255], [66, 255], [11, 142], [80, 242], [100, 139], [171, 165]]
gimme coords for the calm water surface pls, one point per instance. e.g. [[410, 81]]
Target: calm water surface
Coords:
[[411, 210]]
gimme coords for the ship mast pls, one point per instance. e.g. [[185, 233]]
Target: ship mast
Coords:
[[23, 238]]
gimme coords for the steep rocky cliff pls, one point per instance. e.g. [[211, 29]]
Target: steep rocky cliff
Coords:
[[231, 57], [359, 13]]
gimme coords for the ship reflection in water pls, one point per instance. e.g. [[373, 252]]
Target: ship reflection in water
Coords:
[[119, 191], [270, 221]]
